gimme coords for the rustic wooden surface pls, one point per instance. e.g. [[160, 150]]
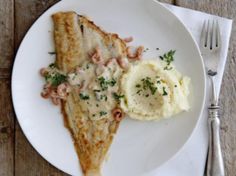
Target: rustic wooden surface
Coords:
[[17, 157], [6, 111]]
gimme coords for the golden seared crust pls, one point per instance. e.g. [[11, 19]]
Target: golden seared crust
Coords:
[[75, 36], [92, 139], [67, 37]]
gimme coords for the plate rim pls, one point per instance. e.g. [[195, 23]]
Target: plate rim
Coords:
[[161, 5], [204, 86]]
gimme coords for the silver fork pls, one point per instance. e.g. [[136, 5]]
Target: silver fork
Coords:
[[210, 45]]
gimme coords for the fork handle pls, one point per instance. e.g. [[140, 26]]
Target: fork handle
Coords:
[[215, 165]]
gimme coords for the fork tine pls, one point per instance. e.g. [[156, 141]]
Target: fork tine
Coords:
[[218, 41], [203, 35], [208, 40], [214, 35]]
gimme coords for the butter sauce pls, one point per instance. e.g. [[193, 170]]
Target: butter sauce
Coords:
[[96, 84]]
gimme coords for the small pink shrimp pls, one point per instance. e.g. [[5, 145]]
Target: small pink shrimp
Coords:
[[117, 114], [122, 62], [56, 101], [139, 52], [96, 57], [130, 54], [45, 95], [46, 91], [110, 62], [63, 90], [135, 55], [54, 97], [128, 39], [43, 71]]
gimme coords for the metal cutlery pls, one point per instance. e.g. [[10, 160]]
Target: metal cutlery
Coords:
[[210, 45]]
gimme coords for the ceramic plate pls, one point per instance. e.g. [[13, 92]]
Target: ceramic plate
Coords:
[[139, 147]]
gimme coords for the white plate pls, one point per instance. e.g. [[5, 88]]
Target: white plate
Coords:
[[139, 147]]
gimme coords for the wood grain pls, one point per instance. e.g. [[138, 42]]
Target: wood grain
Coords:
[[26, 12], [6, 130], [22, 160], [27, 161], [7, 33], [6, 110], [225, 8]]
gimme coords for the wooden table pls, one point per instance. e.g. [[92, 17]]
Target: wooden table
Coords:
[[17, 157]]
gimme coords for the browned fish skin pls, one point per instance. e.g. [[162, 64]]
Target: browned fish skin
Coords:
[[75, 36], [67, 37]]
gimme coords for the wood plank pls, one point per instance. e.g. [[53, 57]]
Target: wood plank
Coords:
[[225, 8], [6, 110], [7, 33], [6, 130], [32, 161], [26, 12], [6, 72], [27, 161]]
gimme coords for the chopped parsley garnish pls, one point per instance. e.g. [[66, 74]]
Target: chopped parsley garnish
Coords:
[[117, 97], [94, 115], [105, 83], [175, 85], [97, 105], [112, 82], [103, 97], [55, 79], [168, 57], [102, 113], [138, 92], [158, 82], [96, 90], [164, 92], [52, 65], [87, 66], [148, 84], [84, 96], [167, 68]]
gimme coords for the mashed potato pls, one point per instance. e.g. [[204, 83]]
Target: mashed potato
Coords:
[[153, 91]]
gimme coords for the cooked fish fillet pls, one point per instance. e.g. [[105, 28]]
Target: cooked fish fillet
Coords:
[[75, 36]]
